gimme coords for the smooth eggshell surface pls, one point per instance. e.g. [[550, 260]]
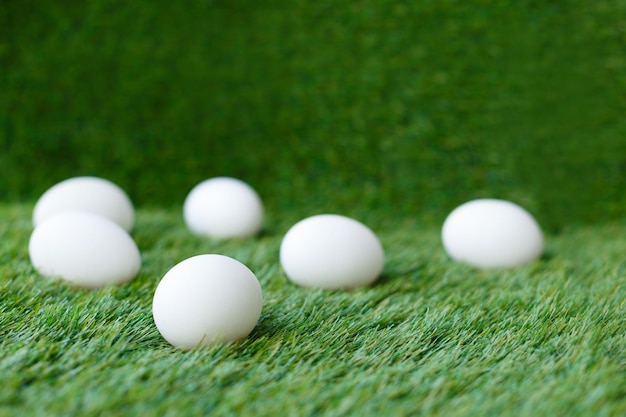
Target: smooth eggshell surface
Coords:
[[492, 234], [222, 208], [207, 299], [84, 248], [92, 194], [331, 251]]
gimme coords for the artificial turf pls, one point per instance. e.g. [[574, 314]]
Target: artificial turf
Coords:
[[392, 112], [431, 337]]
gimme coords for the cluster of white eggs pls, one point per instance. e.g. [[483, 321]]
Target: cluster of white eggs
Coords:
[[82, 234]]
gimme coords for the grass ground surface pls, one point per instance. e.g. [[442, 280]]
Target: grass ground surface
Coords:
[[393, 112], [430, 338]]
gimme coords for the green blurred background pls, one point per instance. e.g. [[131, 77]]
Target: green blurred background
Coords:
[[399, 107]]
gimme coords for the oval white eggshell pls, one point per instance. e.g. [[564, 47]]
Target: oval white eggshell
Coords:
[[331, 251], [84, 248], [207, 299], [492, 234], [92, 194], [223, 207]]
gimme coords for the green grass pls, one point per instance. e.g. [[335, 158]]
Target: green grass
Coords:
[[414, 106], [430, 338], [393, 112]]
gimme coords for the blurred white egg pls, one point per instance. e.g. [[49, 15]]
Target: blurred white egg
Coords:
[[223, 207], [92, 194], [491, 234]]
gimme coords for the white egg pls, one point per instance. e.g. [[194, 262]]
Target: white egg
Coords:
[[93, 194], [84, 248], [331, 251], [223, 207], [207, 299], [492, 234]]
